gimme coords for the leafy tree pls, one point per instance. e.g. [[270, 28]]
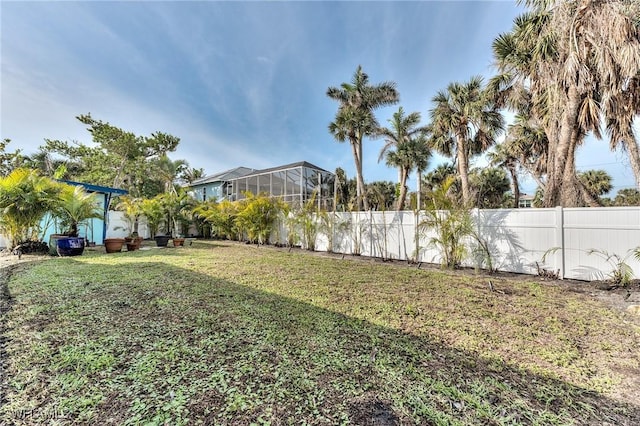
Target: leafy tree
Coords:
[[464, 122], [9, 161], [177, 207], [306, 220], [201, 211], [355, 119], [221, 216], [117, 158], [405, 148], [538, 198], [342, 196], [409, 155], [25, 198], [527, 142]]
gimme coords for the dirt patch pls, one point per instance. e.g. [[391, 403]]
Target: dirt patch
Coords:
[[372, 412]]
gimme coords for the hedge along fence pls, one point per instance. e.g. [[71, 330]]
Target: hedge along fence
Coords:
[[518, 240]]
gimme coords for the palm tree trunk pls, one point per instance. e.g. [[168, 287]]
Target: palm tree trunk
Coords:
[[419, 190], [403, 189], [361, 199], [463, 169], [634, 157], [515, 186], [587, 197], [363, 192], [570, 194], [562, 151]]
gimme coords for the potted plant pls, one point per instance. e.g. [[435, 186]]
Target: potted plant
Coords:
[[132, 209], [74, 207], [178, 241], [179, 210], [153, 210], [113, 245]]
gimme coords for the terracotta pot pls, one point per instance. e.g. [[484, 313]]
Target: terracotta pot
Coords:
[[113, 245], [178, 242], [133, 243]]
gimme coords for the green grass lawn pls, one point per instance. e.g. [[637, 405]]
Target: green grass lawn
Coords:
[[224, 333]]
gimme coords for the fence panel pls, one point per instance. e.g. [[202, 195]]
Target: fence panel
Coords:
[[518, 238], [610, 231], [428, 252]]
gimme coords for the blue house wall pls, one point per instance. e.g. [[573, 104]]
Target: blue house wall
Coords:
[[94, 230], [91, 229]]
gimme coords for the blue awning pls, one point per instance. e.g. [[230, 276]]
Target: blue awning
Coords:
[[97, 189]]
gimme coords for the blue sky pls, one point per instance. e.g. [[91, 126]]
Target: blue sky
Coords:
[[241, 83]]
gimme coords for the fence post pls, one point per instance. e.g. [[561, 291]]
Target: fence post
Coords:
[[416, 234], [371, 233], [560, 239], [475, 216]]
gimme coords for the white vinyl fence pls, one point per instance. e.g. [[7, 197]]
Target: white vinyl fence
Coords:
[[518, 239]]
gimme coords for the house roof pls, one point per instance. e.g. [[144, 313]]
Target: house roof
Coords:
[[223, 176], [285, 167]]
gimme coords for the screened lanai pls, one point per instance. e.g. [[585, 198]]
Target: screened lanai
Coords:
[[295, 183]]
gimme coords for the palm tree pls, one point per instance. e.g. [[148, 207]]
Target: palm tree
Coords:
[[355, 119], [596, 183], [340, 190], [436, 177], [578, 61], [464, 122], [490, 186], [401, 135], [189, 174], [409, 154], [74, 206], [25, 198], [527, 141], [504, 158], [627, 197], [131, 207], [168, 172], [381, 195]]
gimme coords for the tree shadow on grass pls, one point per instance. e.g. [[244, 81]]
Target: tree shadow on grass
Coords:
[[185, 345]]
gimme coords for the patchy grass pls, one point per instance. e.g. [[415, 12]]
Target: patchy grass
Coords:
[[224, 333]]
